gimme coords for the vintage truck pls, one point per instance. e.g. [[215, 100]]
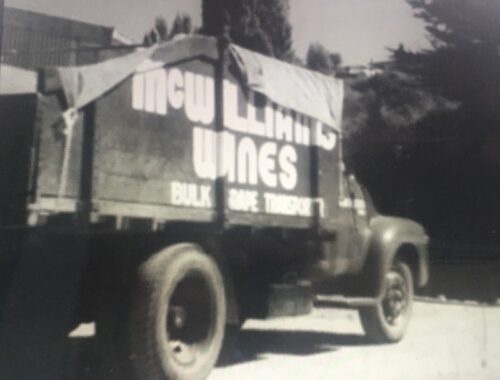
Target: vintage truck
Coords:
[[170, 194]]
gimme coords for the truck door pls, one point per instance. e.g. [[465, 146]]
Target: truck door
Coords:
[[353, 226], [359, 216]]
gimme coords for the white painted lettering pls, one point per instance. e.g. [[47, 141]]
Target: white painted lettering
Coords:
[[284, 125], [190, 195], [247, 162], [267, 164], [243, 200], [232, 120], [287, 160], [199, 98], [175, 88], [204, 153], [156, 95]]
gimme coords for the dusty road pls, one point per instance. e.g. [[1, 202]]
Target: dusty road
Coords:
[[445, 341]]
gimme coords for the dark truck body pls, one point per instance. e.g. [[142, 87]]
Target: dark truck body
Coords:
[[105, 165]]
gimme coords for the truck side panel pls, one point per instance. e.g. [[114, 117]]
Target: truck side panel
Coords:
[[144, 143], [158, 152], [279, 165]]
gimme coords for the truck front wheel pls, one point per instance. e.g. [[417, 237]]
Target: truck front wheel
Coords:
[[179, 314], [388, 319]]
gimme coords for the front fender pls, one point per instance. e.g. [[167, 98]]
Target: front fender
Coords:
[[391, 237]]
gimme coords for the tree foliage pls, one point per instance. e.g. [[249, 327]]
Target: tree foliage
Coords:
[[464, 66], [273, 17], [319, 59], [425, 136], [466, 38], [181, 25], [160, 32], [460, 22], [260, 25]]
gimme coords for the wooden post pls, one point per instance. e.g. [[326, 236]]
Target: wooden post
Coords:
[[87, 166], [222, 44]]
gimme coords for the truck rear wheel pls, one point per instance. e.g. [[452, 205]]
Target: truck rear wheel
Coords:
[[178, 315], [387, 321]]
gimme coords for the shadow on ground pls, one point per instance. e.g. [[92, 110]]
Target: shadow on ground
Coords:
[[82, 361], [253, 345]]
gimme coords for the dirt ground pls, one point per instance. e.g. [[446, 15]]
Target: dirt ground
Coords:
[[444, 341]]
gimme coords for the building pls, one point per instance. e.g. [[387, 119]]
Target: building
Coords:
[[365, 71], [32, 40]]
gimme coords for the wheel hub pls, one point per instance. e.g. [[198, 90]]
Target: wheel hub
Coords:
[[190, 319], [395, 299], [177, 317]]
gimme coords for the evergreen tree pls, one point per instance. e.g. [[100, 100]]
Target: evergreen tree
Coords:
[[463, 66], [455, 23], [466, 38], [274, 21], [181, 25], [215, 15], [320, 59], [158, 33], [260, 25], [431, 124]]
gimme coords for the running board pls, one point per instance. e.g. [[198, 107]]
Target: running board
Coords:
[[342, 301]]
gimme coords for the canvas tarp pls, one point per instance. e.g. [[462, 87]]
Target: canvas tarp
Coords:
[[293, 87], [81, 85]]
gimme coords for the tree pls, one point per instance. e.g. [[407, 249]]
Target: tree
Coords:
[[181, 25], [238, 19], [274, 17], [385, 119], [320, 59], [158, 33], [463, 66], [466, 38], [215, 16], [455, 23], [431, 124], [260, 25]]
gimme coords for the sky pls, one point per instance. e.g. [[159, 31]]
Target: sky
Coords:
[[360, 30]]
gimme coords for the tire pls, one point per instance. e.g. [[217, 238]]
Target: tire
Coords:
[[230, 352], [178, 315], [388, 320]]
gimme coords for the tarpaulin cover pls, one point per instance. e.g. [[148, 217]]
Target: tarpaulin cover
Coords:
[[293, 87], [83, 84], [16, 81]]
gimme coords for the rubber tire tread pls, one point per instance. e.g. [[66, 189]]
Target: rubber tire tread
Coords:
[[376, 328], [157, 278]]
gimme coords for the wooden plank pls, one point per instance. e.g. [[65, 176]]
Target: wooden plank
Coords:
[[155, 212]]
